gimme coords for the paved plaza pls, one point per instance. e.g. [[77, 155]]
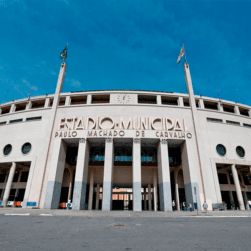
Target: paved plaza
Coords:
[[23, 229]]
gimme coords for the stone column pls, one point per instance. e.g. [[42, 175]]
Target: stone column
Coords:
[[108, 175], [177, 189], [165, 195], [216, 183], [17, 190], [237, 187], [12, 108], [57, 166], [136, 175], [201, 103], [67, 100], [91, 189], [155, 198], [8, 184], [149, 198], [28, 184], [230, 192], [97, 197], [144, 198], [236, 110], [70, 185], [190, 173], [181, 102], [244, 194], [81, 175], [46, 104]]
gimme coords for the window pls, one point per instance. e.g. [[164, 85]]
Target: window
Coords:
[[3, 123], [214, 120], [186, 102], [20, 107], [100, 99], [20, 196], [16, 175], [240, 151], [33, 118], [169, 101], [210, 105], [26, 148], [221, 150], [247, 179], [232, 122], [247, 125], [50, 102], [5, 110], [222, 178], [79, 100], [37, 104], [144, 99], [231, 177], [15, 121], [197, 103], [228, 108], [244, 112], [61, 102], [24, 176], [7, 149], [2, 177]]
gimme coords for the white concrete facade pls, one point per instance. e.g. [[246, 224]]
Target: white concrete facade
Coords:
[[177, 133]]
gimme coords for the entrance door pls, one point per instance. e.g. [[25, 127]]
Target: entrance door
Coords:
[[226, 198]]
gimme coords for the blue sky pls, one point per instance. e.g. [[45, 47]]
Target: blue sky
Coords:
[[125, 44]]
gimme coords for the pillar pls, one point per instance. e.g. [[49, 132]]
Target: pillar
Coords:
[[149, 198], [181, 102], [46, 104], [79, 192], [236, 110], [144, 198], [28, 184], [91, 189], [70, 185], [12, 108], [97, 197], [177, 189], [155, 196], [190, 173], [220, 107], [216, 183], [108, 175], [165, 194], [136, 175], [8, 184], [159, 100], [244, 194], [57, 166], [89, 99], [201, 103], [230, 192], [28, 105], [67, 100], [237, 187]]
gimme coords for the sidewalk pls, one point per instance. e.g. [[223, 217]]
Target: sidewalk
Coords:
[[114, 214]]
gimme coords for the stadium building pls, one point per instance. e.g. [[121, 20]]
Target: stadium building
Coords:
[[124, 150]]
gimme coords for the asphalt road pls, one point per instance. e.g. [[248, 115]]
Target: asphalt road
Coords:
[[135, 233]]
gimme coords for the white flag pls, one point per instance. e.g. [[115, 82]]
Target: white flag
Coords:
[[181, 54]]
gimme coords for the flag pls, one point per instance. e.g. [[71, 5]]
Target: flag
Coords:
[[63, 54], [181, 54]]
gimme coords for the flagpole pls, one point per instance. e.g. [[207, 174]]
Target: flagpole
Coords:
[[195, 119], [184, 53]]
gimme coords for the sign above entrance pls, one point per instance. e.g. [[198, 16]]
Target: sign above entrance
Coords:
[[121, 123]]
